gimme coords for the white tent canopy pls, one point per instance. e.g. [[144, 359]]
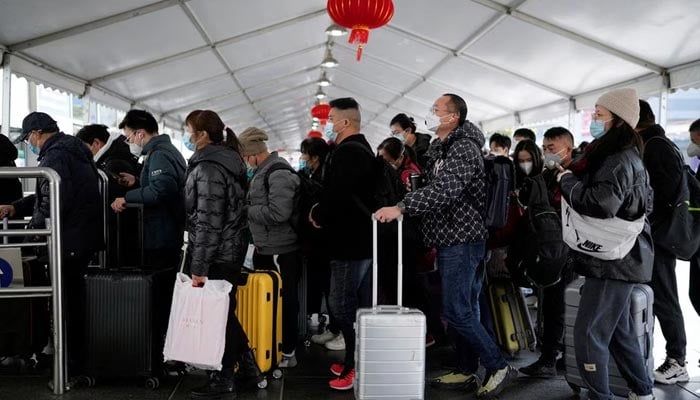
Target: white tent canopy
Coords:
[[257, 63]]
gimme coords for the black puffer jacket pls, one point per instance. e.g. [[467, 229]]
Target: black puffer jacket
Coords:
[[421, 147], [81, 208], [10, 188], [216, 209], [619, 188]]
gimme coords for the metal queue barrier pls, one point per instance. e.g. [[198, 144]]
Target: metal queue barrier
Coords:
[[53, 241]]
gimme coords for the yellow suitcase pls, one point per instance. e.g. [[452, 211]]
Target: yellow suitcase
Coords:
[[511, 318], [259, 309]]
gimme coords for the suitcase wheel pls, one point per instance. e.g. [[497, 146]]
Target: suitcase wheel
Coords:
[[262, 384], [277, 373], [575, 388], [152, 383]]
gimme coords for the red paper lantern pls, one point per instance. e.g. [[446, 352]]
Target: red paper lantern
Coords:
[[315, 134], [321, 111], [360, 16]]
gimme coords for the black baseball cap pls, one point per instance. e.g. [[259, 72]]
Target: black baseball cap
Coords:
[[37, 121]]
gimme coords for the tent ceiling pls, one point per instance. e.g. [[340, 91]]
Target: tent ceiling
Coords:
[[257, 63]]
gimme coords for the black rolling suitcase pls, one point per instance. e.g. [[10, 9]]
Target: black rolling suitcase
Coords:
[[642, 314], [126, 317]]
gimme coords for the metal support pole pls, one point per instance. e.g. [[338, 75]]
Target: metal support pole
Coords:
[[663, 101], [6, 92], [104, 190]]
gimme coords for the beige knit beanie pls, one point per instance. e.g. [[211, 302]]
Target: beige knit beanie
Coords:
[[253, 141], [622, 102]]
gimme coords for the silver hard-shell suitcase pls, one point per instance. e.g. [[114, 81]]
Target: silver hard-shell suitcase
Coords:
[[642, 313], [390, 350]]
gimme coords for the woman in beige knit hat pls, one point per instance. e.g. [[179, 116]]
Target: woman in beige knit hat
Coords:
[[612, 183]]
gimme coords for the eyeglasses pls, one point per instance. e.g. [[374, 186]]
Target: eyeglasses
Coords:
[[434, 110], [396, 133]]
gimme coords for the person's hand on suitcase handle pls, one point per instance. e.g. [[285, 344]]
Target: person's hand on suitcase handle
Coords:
[[198, 281], [119, 204], [388, 214]]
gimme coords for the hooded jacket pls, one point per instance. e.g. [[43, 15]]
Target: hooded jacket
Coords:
[[114, 160], [452, 204], [81, 203], [620, 187], [162, 194], [10, 188], [665, 168], [216, 209], [273, 215]]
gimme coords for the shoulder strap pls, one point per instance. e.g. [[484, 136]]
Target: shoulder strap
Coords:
[[278, 166]]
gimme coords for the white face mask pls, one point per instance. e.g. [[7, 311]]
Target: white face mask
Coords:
[[432, 122], [693, 150], [135, 149], [526, 167]]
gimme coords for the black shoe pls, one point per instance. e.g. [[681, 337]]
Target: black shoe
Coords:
[[220, 386], [249, 373], [540, 369]]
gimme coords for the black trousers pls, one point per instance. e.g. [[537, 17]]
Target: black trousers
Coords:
[[553, 309], [236, 339], [289, 266], [666, 306], [319, 285], [694, 283], [74, 269]]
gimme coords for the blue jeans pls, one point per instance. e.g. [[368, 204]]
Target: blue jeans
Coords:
[[461, 271], [351, 288], [604, 326]]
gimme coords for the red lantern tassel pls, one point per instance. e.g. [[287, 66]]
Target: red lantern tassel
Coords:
[[359, 52], [359, 35]]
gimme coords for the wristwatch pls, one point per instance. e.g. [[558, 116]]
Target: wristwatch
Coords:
[[401, 206]]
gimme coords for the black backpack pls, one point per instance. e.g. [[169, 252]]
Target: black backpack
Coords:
[[500, 174], [545, 253], [679, 233]]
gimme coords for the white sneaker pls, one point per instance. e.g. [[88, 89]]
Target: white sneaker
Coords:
[[670, 372], [337, 344], [635, 396], [323, 338], [288, 360]]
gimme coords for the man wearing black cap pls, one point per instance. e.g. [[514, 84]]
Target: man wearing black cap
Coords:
[[81, 223]]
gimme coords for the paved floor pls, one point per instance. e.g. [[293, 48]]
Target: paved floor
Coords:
[[309, 379]]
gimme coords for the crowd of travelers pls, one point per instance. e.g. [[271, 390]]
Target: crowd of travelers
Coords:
[[234, 192]]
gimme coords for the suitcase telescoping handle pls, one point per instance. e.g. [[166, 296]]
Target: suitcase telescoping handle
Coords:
[[375, 262], [139, 227]]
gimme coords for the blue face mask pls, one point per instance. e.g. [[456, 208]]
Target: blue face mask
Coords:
[[329, 133], [303, 165], [597, 128], [34, 149], [250, 171], [188, 143]]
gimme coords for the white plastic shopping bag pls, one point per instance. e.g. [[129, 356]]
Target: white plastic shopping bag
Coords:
[[197, 328], [606, 239]]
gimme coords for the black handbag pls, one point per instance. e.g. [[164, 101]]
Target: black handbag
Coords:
[[679, 231]]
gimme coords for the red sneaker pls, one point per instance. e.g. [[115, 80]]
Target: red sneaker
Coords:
[[337, 369], [343, 382]]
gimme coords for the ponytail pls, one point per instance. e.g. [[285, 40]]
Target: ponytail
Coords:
[[231, 140]]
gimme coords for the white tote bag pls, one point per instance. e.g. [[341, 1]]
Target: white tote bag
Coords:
[[197, 328], [606, 239]]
